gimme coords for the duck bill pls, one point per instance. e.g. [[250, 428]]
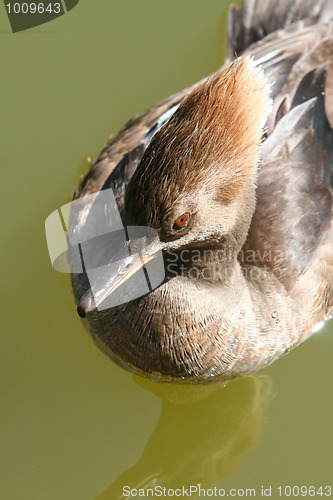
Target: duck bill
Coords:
[[115, 275]]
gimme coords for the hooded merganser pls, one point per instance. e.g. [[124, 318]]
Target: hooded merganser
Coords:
[[237, 172]]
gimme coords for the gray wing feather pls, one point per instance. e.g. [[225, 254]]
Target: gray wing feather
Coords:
[[258, 18]]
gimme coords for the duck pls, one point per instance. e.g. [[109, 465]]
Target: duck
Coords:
[[231, 182]]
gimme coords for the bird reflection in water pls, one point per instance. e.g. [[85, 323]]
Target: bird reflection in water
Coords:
[[201, 435]]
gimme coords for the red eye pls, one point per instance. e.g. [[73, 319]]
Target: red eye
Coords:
[[182, 221]]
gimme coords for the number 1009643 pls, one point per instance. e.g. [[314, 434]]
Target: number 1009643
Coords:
[[33, 8]]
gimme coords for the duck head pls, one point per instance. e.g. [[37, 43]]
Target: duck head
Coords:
[[195, 184]]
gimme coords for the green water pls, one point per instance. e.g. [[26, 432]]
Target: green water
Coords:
[[75, 426]]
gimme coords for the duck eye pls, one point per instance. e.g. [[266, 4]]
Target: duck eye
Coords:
[[182, 221]]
